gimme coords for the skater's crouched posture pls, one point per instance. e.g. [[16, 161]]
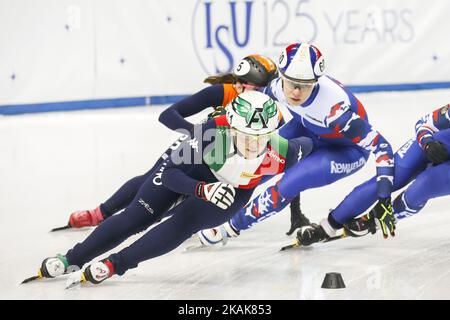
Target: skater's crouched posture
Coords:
[[216, 169], [422, 164], [252, 72]]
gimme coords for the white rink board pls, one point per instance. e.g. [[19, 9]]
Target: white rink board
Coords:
[[60, 162], [67, 50]]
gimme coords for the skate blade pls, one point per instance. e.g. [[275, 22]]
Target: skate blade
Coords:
[[291, 246], [61, 228], [39, 276], [75, 279], [201, 246], [196, 247], [298, 244]]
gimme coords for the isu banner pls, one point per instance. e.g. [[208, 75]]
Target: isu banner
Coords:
[[87, 50]]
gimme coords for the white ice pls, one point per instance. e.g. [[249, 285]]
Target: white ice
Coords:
[[55, 163]]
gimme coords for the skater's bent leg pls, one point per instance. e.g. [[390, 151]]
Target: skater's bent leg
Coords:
[[186, 219], [122, 197], [321, 168], [147, 207], [431, 183], [354, 204], [126, 193], [409, 161]]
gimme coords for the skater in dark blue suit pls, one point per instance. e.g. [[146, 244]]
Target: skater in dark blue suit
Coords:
[[256, 71], [217, 178]]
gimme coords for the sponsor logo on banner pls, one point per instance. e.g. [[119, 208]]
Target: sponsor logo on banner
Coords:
[[225, 31]]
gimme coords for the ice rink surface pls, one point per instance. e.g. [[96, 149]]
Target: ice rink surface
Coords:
[[53, 164]]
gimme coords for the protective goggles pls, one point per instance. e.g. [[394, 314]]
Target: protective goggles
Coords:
[[292, 85], [260, 138]]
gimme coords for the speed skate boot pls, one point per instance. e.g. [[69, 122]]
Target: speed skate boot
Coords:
[[86, 218], [359, 227], [54, 266], [214, 236], [298, 219], [316, 233], [98, 272]]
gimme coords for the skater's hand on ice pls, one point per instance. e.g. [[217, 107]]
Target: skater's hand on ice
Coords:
[[383, 215]]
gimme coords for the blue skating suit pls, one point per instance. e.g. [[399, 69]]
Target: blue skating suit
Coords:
[[410, 164], [343, 139]]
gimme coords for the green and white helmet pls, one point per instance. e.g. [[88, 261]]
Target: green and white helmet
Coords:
[[253, 112]]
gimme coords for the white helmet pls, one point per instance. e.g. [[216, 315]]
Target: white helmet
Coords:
[[254, 113], [301, 62]]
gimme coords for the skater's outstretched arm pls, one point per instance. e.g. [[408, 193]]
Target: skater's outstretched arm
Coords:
[[252, 72], [174, 116]]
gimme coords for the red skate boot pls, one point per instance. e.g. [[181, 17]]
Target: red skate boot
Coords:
[[86, 218]]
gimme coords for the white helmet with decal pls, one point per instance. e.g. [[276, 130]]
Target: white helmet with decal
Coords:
[[254, 113], [301, 62]]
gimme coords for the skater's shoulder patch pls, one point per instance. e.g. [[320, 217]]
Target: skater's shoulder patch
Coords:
[[279, 144]]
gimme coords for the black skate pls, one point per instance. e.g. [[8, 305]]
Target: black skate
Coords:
[[298, 219], [313, 233], [51, 268], [361, 226]]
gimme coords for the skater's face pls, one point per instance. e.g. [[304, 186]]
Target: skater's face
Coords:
[[296, 92], [251, 146]]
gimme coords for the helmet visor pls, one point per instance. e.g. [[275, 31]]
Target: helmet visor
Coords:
[[292, 85]]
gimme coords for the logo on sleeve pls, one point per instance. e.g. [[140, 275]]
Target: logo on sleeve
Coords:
[[194, 144], [336, 111], [300, 154]]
